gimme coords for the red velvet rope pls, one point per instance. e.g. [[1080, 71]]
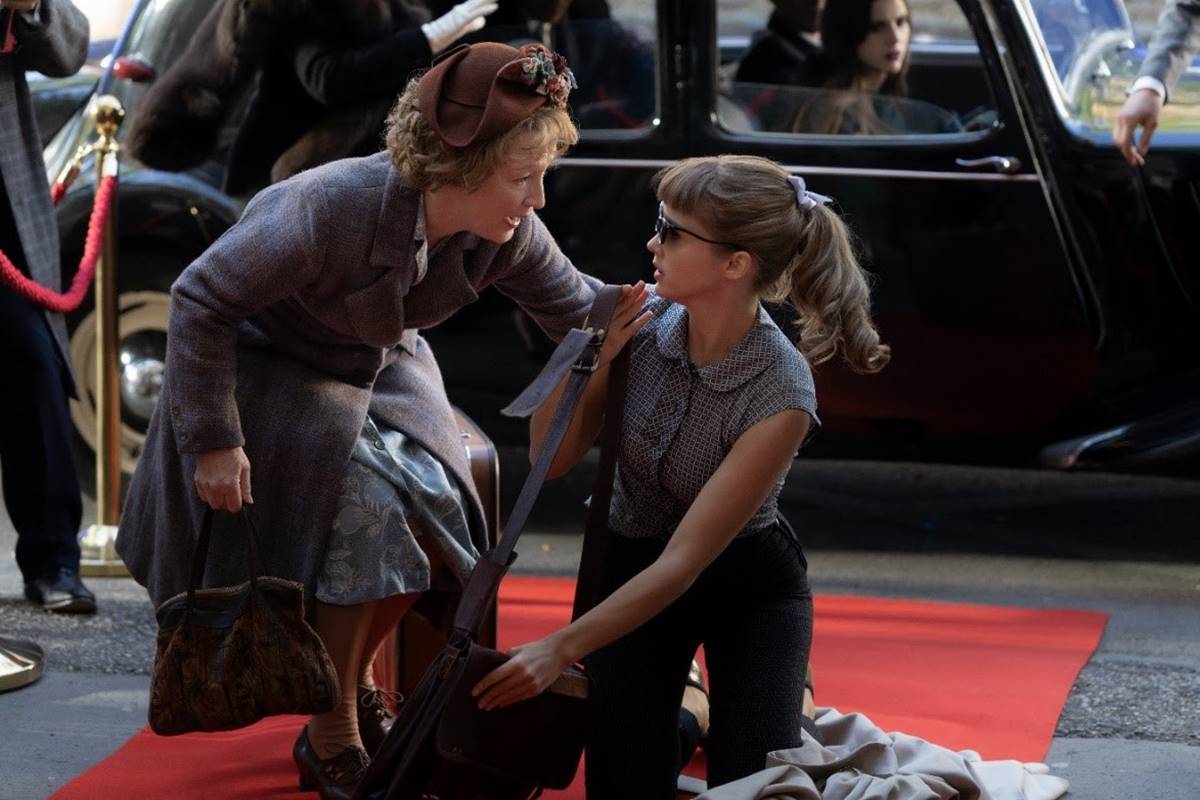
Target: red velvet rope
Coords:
[[69, 301]]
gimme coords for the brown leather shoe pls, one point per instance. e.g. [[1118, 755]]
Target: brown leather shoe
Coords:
[[376, 712], [334, 778]]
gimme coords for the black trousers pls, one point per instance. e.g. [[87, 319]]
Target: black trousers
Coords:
[[752, 610], [41, 488]]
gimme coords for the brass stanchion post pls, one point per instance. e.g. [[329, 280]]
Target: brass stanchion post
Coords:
[[98, 545]]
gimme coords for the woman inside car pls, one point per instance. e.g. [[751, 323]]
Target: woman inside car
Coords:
[[294, 348], [866, 50], [719, 400]]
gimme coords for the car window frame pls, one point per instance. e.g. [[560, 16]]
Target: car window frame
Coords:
[[1056, 90], [650, 130], [1099, 137], [914, 140]]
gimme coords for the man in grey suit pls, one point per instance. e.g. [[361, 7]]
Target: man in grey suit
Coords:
[[41, 489], [1175, 42]]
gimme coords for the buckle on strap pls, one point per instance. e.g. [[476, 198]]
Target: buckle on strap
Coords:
[[589, 359]]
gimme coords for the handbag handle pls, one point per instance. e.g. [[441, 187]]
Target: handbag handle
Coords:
[[200, 554]]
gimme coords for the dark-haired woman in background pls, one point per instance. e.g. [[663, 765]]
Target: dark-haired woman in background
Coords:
[[866, 46], [868, 51]]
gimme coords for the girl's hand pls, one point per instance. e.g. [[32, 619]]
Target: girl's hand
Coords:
[[223, 479], [628, 318], [532, 668]]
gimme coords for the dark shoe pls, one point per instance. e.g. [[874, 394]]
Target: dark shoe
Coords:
[[61, 591], [695, 679], [334, 778], [806, 721], [376, 712]]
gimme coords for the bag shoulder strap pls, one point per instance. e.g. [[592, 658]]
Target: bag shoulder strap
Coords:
[[580, 353], [595, 533]]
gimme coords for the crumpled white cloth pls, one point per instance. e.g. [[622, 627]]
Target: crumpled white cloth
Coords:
[[859, 761]]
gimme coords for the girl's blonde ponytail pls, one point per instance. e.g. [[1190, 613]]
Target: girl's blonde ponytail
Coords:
[[831, 293]]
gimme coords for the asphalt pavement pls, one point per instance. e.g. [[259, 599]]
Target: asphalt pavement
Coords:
[[1125, 545]]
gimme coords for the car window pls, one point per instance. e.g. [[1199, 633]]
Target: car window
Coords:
[[55, 100], [158, 38], [775, 77], [1094, 50], [106, 18], [613, 58]]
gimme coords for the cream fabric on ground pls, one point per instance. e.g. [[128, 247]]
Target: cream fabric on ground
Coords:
[[859, 761]]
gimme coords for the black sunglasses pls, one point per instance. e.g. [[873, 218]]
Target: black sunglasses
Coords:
[[664, 229]]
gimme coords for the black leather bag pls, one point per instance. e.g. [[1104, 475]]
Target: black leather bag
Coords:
[[485, 740], [442, 746], [511, 753]]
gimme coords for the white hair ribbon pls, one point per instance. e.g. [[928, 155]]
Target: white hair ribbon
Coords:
[[806, 199]]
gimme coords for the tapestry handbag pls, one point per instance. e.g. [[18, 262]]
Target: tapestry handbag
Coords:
[[228, 656], [442, 746]]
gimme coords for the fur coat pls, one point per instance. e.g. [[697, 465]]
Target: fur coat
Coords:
[[176, 125]]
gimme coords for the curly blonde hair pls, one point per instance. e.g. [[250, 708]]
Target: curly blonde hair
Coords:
[[427, 162], [804, 256]]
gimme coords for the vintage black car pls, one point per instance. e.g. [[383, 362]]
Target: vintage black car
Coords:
[[1041, 296]]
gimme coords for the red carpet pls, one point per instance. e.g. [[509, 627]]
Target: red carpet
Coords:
[[986, 678]]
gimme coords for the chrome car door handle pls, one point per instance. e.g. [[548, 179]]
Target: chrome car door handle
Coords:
[[1009, 165]]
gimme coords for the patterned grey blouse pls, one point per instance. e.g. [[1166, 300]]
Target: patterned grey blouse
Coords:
[[682, 420]]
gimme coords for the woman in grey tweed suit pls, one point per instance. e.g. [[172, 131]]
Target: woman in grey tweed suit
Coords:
[[1175, 43], [294, 347]]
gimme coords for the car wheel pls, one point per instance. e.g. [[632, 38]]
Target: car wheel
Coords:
[[143, 300], [142, 348]]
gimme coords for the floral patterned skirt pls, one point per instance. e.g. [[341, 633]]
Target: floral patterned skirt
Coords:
[[398, 505]]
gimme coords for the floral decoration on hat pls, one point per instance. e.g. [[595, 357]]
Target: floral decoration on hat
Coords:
[[547, 73]]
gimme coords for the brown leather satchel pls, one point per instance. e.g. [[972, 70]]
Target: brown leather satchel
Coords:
[[442, 746], [226, 657]]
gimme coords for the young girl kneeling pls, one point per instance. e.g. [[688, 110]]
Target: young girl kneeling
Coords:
[[719, 401]]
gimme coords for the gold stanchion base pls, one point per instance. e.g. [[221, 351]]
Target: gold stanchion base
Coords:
[[21, 663], [98, 553]]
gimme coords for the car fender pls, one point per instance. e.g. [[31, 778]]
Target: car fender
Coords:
[[176, 210]]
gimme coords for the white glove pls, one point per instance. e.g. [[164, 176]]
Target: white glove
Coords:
[[464, 18]]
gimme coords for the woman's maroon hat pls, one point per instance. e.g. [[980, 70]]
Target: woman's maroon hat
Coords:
[[477, 92]]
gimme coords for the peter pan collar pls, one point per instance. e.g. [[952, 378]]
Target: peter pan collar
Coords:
[[752, 355]]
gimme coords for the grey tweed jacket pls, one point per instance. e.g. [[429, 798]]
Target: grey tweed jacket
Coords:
[[1175, 43], [52, 40], [299, 320]]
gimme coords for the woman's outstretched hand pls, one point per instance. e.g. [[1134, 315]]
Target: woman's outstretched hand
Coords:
[[627, 319], [223, 479], [530, 671], [466, 17]]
